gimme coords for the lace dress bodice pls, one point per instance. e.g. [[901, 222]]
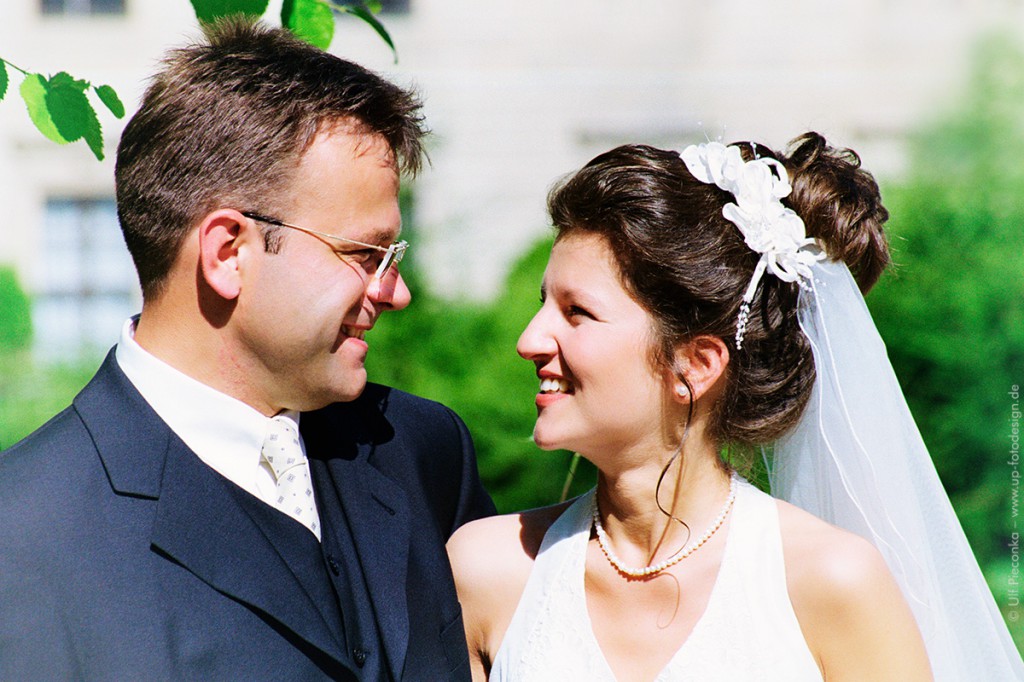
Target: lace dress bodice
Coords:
[[747, 632]]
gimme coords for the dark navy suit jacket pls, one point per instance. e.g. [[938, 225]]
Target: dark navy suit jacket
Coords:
[[124, 557]]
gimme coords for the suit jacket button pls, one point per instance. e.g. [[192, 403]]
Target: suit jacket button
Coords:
[[360, 656], [333, 564]]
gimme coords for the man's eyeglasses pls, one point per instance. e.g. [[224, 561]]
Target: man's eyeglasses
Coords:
[[391, 255]]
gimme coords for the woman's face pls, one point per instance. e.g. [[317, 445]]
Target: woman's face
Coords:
[[591, 343]]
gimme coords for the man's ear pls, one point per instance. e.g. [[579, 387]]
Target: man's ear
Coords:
[[703, 361], [221, 235]]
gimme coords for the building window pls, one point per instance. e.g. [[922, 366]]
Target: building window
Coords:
[[87, 287], [394, 7], [82, 7]]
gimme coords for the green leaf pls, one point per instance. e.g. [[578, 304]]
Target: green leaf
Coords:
[[33, 91], [94, 135], [109, 97], [363, 12], [61, 111], [310, 20], [210, 10], [69, 108], [3, 78], [66, 80]]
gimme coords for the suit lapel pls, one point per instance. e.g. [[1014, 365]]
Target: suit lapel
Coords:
[[200, 525], [199, 521]]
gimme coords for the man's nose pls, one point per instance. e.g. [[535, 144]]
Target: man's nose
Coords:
[[389, 291]]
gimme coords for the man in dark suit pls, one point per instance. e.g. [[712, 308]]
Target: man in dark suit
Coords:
[[228, 498]]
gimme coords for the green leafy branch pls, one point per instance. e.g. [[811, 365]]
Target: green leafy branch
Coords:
[[61, 110], [59, 107]]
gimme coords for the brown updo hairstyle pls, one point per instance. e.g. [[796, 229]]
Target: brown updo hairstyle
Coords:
[[689, 266]]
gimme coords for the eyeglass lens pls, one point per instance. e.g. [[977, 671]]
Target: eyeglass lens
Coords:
[[393, 255]]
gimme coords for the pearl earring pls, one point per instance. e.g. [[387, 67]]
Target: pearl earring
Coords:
[[681, 391]]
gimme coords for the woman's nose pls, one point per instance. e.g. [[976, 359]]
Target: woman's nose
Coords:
[[536, 341]]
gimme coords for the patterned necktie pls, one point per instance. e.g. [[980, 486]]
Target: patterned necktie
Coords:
[[282, 451]]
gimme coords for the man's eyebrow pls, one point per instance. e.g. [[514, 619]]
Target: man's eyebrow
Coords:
[[382, 237], [385, 236]]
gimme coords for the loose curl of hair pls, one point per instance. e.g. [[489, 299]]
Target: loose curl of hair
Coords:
[[688, 266]]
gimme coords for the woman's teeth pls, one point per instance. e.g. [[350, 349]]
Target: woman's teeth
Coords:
[[554, 386], [353, 333]]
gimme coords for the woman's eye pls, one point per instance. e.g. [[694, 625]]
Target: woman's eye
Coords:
[[576, 311]]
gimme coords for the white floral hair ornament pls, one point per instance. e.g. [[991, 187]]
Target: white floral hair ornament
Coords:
[[768, 227]]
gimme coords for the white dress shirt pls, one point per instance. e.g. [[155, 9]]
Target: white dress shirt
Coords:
[[224, 432]]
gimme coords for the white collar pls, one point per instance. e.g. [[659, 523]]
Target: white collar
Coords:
[[224, 432]]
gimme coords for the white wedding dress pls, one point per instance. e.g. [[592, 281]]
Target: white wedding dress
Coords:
[[747, 632]]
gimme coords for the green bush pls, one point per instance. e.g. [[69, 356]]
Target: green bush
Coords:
[[952, 311], [15, 313], [30, 392]]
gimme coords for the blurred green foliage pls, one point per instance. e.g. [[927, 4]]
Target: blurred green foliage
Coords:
[[952, 310], [60, 109], [15, 313], [32, 392]]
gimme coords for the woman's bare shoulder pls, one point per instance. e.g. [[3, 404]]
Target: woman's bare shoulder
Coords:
[[847, 600], [822, 558], [497, 552], [491, 560]]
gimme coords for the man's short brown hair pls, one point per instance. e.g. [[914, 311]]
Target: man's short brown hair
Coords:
[[225, 123]]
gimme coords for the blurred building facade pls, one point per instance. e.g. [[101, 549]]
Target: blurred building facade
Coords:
[[517, 94]]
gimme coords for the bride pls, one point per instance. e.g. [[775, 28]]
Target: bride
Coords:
[[697, 307]]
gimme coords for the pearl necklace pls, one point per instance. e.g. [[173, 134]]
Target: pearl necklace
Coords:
[[654, 569]]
